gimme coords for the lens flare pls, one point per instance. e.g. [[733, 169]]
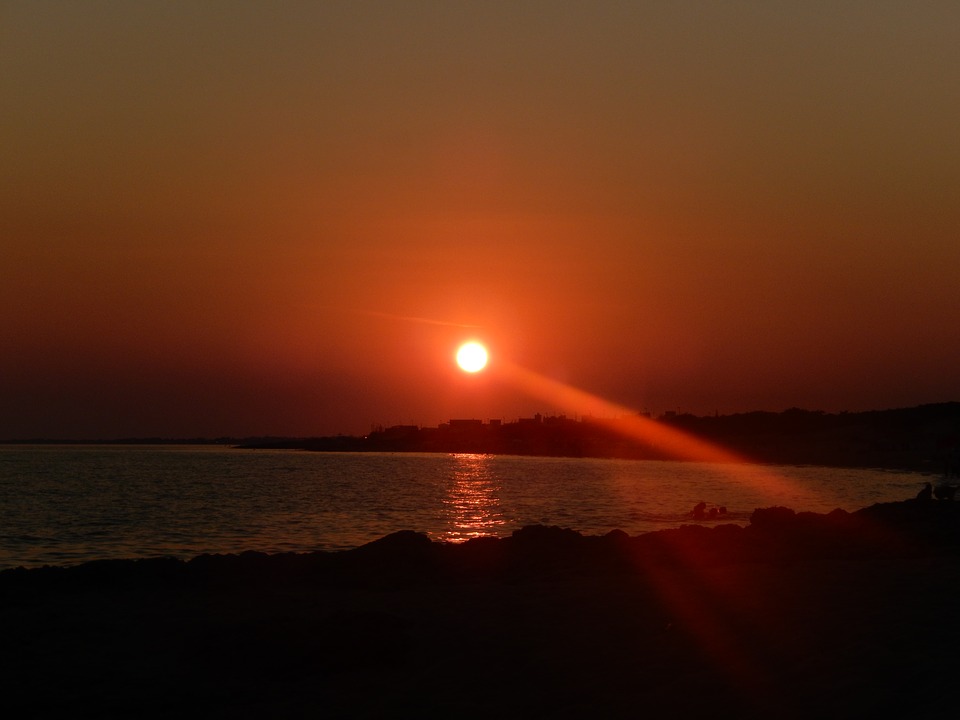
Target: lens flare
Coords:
[[700, 595], [626, 422]]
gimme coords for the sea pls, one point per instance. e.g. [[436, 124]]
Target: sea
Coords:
[[68, 504]]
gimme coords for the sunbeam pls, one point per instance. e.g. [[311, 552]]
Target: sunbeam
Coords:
[[659, 436]]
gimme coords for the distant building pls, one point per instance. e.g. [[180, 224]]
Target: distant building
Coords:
[[465, 424], [401, 431]]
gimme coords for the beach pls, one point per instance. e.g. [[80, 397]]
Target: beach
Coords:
[[793, 615]]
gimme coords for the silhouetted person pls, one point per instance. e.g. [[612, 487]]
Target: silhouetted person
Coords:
[[944, 492], [699, 511], [926, 493]]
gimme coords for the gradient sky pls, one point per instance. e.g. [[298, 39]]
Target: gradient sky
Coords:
[[235, 218]]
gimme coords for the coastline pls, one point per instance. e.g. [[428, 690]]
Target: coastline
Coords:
[[919, 439], [836, 615]]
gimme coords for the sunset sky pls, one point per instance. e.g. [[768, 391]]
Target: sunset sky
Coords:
[[238, 218]]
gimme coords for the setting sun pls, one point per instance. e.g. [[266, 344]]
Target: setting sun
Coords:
[[472, 357]]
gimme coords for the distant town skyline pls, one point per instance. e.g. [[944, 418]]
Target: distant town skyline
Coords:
[[924, 438], [237, 219]]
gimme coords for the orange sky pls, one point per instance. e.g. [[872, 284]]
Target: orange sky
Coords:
[[233, 218]]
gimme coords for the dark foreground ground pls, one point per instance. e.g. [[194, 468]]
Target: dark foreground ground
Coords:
[[796, 615]]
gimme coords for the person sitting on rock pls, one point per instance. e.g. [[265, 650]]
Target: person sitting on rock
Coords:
[[926, 493], [944, 492]]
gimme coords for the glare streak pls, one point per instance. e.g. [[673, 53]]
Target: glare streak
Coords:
[[629, 423], [700, 596]]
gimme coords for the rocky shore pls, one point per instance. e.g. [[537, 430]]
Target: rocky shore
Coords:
[[795, 615]]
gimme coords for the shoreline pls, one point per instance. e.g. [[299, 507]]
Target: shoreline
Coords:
[[836, 615], [930, 525], [919, 439]]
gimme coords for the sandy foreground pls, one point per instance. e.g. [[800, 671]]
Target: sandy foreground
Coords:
[[796, 615]]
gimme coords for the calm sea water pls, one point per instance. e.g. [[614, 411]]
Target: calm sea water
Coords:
[[67, 504]]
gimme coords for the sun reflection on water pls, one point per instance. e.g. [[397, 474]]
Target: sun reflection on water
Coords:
[[472, 502]]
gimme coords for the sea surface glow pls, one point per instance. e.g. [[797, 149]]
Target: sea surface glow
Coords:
[[66, 504]]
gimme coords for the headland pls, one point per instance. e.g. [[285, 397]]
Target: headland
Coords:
[[924, 438]]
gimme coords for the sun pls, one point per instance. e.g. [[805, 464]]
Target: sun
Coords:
[[472, 357]]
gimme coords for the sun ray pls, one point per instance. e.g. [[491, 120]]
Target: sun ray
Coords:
[[629, 423], [701, 597]]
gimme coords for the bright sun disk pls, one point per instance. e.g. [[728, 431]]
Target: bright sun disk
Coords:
[[472, 357]]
